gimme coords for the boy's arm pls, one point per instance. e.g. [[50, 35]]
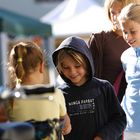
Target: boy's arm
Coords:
[[116, 116]]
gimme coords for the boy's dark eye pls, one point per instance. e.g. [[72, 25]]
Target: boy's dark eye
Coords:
[[77, 66], [124, 32], [65, 67]]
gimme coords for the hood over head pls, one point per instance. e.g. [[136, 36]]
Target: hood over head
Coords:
[[78, 44]]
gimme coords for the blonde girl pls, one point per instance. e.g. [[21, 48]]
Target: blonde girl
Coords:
[[129, 20]]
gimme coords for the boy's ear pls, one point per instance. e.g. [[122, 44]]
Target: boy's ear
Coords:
[[42, 67]]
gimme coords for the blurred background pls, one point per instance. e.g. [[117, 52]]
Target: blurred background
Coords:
[[34, 8], [47, 22]]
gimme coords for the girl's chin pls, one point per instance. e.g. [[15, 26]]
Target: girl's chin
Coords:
[[134, 46]]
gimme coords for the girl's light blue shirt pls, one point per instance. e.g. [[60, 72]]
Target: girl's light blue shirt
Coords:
[[131, 101]]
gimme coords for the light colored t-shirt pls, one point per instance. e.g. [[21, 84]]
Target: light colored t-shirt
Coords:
[[40, 108]]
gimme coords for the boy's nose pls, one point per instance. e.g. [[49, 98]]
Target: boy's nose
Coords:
[[72, 70]]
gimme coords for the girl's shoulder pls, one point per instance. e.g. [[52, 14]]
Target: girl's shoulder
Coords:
[[102, 37], [102, 33], [130, 52]]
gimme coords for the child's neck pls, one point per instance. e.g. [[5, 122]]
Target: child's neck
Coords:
[[118, 32], [33, 79]]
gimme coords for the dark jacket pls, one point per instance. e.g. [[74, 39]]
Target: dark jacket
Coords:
[[93, 107], [106, 48]]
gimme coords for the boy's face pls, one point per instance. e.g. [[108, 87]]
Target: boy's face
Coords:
[[131, 32], [74, 71]]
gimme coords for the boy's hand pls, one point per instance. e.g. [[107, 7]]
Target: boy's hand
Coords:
[[67, 126]]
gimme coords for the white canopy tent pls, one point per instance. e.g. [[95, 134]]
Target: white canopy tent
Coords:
[[80, 17]]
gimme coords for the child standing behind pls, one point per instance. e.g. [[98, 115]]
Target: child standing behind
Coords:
[[93, 108], [107, 46], [130, 24]]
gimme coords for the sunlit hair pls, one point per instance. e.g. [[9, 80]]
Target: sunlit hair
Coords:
[[130, 12], [109, 3], [62, 54], [24, 59]]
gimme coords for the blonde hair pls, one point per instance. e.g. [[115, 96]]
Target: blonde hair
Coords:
[[74, 55], [131, 12], [24, 58], [126, 2], [109, 3]]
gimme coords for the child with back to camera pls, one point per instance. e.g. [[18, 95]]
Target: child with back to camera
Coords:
[[27, 66], [94, 110], [129, 20]]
